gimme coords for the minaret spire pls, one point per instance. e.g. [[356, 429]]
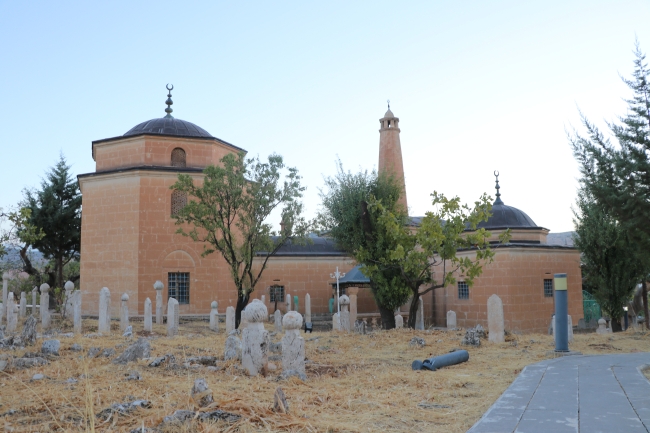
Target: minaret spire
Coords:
[[498, 200], [169, 102], [390, 152]]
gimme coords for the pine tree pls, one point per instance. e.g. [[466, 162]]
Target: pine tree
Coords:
[[56, 211], [616, 171]]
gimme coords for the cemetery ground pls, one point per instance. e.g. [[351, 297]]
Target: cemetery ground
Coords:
[[355, 383]]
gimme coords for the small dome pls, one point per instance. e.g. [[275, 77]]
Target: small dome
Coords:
[[507, 217], [168, 126], [389, 114]]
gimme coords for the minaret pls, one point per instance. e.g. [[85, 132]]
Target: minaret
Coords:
[[390, 151]]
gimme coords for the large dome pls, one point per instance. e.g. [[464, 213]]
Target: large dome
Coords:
[[507, 217], [168, 126]]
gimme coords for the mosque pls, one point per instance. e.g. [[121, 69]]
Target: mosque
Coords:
[[129, 240]]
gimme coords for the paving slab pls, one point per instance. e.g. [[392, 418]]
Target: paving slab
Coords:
[[603, 393]]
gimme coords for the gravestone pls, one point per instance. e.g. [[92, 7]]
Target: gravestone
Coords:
[[419, 317], [214, 316], [172, 317], [582, 324], [76, 311], [23, 304], [233, 348], [451, 320], [158, 286], [12, 316], [124, 312], [353, 293], [68, 287], [5, 291], [46, 319], [288, 303], [104, 326], [278, 321], [293, 345], [263, 299], [2, 316], [344, 300], [602, 327], [307, 308], [148, 316], [336, 322], [34, 298], [496, 326], [399, 321], [255, 339], [230, 319]]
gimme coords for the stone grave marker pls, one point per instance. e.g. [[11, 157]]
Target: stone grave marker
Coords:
[[399, 321], [12, 316], [344, 300], [23, 304], [230, 319], [172, 317], [277, 316], [68, 287], [158, 286], [307, 308], [214, 316], [293, 345], [495, 320], [255, 339], [34, 298], [288, 302], [352, 293], [451, 319], [104, 311], [148, 316], [46, 320], [336, 322], [124, 312]]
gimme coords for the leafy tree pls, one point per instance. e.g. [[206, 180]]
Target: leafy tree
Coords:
[[616, 169], [362, 214], [426, 258], [227, 211], [346, 218], [56, 211], [16, 230], [612, 261]]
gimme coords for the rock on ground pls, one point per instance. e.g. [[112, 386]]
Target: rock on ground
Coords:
[[417, 341], [50, 347], [473, 337], [201, 394], [286, 374], [138, 350], [29, 331]]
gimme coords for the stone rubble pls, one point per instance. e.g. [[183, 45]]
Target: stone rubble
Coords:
[[201, 394], [138, 350]]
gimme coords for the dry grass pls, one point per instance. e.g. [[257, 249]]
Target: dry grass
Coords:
[[356, 383]]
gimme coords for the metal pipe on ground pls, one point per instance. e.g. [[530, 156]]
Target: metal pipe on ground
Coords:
[[437, 362]]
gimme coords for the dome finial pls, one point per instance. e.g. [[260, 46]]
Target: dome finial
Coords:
[[169, 102], [498, 200], [388, 103]]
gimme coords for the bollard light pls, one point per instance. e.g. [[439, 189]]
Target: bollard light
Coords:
[[625, 318], [561, 313]]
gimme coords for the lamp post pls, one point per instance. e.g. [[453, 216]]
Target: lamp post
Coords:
[[337, 275], [561, 313], [625, 318]]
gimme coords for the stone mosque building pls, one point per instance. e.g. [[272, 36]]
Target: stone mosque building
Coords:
[[128, 240]]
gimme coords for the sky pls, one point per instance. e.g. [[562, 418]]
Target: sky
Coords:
[[478, 86]]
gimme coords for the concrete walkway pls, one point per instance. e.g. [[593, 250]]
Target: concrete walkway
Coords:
[[604, 393]]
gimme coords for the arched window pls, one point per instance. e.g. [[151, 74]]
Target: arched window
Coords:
[[179, 200], [178, 157]]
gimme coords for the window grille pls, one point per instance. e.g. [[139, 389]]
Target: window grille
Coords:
[[277, 293], [179, 201], [463, 290], [548, 288], [178, 286], [178, 157]]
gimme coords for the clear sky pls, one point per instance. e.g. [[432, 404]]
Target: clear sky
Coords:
[[478, 86]]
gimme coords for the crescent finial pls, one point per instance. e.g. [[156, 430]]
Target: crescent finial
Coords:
[[167, 87]]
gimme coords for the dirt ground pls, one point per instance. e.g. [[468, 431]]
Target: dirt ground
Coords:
[[356, 383]]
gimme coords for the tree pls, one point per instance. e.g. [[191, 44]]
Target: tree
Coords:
[[426, 257], [616, 170], [227, 211], [612, 261], [56, 211], [346, 218], [361, 213]]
